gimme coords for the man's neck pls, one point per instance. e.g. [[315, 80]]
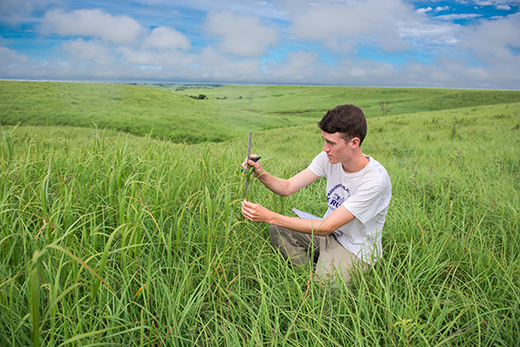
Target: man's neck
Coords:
[[356, 164]]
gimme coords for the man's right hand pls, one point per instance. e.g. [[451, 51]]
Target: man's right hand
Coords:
[[283, 187], [256, 166]]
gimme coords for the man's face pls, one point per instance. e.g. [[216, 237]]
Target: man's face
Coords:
[[338, 151]]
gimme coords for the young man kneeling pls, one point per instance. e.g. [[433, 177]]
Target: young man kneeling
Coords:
[[358, 195]]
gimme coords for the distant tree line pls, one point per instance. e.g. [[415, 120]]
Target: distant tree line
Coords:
[[204, 97], [200, 97]]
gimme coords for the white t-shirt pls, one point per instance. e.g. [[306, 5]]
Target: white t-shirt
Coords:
[[366, 194]]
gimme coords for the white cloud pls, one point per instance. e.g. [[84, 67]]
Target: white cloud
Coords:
[[15, 11], [491, 41], [302, 60], [376, 21], [209, 57], [106, 47], [166, 38], [152, 58], [218, 66], [349, 71], [452, 17], [484, 2], [495, 2], [243, 36], [91, 23], [92, 50], [430, 35], [10, 57], [299, 67], [424, 10]]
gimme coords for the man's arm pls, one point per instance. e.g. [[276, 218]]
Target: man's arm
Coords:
[[283, 187], [334, 221]]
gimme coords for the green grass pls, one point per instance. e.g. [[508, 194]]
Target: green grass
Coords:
[[168, 114], [311, 102], [112, 239], [133, 109]]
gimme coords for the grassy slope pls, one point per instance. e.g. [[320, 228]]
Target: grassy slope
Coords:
[[158, 112], [133, 109], [315, 101]]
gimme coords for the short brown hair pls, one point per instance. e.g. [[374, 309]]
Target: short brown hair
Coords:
[[349, 120]]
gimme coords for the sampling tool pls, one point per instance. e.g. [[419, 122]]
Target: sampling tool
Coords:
[[247, 167]]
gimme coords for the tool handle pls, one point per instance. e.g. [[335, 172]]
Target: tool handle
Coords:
[[247, 170]]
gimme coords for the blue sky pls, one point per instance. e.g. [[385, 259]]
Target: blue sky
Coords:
[[453, 44]]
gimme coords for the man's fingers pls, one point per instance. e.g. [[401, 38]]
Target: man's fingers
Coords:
[[249, 161], [246, 204], [246, 210], [247, 207]]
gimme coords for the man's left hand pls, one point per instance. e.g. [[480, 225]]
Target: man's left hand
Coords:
[[255, 212]]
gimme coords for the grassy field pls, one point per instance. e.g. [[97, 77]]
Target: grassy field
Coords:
[[229, 111], [315, 101], [108, 238], [132, 109]]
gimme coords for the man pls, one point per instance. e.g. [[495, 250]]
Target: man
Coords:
[[358, 196]]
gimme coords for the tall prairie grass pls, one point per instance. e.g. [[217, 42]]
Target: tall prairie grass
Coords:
[[117, 240]]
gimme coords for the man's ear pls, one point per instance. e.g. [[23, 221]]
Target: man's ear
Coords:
[[355, 142]]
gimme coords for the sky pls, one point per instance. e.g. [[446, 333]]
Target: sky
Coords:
[[390, 43]]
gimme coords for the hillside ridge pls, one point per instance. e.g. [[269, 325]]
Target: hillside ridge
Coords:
[[228, 111]]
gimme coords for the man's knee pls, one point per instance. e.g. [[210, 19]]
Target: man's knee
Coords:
[[278, 235]]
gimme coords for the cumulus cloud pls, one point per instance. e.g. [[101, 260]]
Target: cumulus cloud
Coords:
[[238, 46], [302, 59], [350, 71], [166, 38], [155, 58], [424, 10], [92, 23], [338, 23], [92, 50], [243, 36], [431, 35], [212, 58], [9, 57], [494, 2], [15, 11], [215, 65], [299, 67], [493, 40], [456, 16]]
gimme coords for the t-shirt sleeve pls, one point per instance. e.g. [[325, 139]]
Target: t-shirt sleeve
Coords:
[[318, 166]]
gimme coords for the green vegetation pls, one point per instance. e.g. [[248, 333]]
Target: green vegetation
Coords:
[[133, 109], [315, 101], [112, 239], [228, 112]]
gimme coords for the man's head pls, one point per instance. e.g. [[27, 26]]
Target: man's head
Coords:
[[348, 120]]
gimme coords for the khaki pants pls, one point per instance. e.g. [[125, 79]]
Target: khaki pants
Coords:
[[332, 257]]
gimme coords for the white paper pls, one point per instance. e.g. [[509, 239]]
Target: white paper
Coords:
[[305, 215]]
